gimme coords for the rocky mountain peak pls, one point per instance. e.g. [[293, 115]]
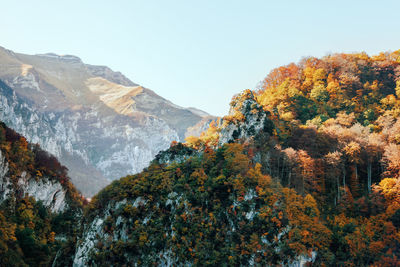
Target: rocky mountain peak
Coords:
[[110, 75], [63, 58]]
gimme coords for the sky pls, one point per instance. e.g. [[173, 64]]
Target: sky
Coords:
[[198, 53]]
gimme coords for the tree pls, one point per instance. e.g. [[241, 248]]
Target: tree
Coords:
[[334, 160], [353, 153], [391, 157]]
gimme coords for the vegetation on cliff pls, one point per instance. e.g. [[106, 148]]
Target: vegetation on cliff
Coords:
[[30, 233]]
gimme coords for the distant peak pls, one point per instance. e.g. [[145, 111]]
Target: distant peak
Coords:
[[68, 58], [7, 50]]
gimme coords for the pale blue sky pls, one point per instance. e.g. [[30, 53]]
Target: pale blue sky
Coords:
[[198, 53]]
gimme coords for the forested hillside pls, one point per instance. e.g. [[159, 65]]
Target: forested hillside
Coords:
[[39, 207], [217, 209], [305, 169]]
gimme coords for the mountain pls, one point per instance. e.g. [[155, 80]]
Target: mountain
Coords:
[[40, 209], [96, 121], [304, 171]]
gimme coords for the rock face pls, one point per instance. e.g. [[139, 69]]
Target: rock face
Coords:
[[86, 246], [95, 121], [245, 120], [50, 192]]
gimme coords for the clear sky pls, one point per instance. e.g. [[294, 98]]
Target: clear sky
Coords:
[[198, 53]]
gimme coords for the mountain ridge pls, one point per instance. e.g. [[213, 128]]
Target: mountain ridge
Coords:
[[89, 109]]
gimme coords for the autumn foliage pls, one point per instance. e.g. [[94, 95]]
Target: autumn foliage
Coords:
[[225, 211], [337, 139]]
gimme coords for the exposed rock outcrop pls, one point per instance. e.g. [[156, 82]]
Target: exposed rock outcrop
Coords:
[[50, 192], [245, 120]]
